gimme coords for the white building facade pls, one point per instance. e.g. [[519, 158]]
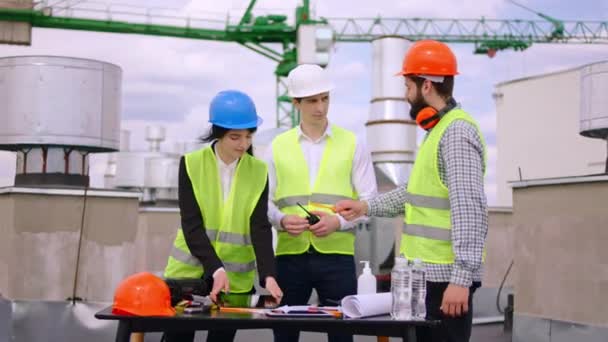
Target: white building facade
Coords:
[[538, 124]]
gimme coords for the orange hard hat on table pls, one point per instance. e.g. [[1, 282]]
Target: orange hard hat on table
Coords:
[[143, 294], [429, 57]]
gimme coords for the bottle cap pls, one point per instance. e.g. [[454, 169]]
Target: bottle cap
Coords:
[[366, 268]]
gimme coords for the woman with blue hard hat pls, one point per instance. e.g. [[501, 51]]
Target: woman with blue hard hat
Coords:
[[223, 201]]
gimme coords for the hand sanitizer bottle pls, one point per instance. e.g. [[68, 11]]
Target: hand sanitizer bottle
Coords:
[[367, 281]]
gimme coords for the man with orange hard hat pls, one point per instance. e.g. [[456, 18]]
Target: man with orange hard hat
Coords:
[[444, 204]]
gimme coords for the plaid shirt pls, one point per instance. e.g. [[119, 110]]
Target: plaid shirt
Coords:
[[461, 168]]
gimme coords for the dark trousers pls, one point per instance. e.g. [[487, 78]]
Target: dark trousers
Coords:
[[224, 335], [451, 329], [212, 336], [333, 276]]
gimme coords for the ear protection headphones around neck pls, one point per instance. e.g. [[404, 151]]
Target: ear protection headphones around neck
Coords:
[[428, 117]]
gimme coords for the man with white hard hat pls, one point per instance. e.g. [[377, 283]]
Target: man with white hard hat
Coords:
[[315, 165]]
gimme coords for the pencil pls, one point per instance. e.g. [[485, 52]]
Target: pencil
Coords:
[[325, 206]]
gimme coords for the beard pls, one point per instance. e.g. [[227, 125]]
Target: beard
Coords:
[[416, 106]]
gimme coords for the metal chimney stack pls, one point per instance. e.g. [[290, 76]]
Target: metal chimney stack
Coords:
[[391, 134], [154, 136], [391, 139]]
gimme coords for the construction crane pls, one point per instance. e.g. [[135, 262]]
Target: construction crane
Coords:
[[263, 34]]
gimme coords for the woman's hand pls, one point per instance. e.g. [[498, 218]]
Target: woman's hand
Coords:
[[220, 282], [274, 289]]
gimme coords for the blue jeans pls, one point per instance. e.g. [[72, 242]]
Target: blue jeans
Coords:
[[333, 276]]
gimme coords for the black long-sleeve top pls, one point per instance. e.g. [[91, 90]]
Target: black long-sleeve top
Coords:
[[198, 242]]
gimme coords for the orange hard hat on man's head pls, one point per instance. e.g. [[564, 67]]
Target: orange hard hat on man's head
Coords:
[[143, 294], [429, 57]]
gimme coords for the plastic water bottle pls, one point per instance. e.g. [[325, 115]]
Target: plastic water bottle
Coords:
[[418, 290], [366, 283], [401, 290]]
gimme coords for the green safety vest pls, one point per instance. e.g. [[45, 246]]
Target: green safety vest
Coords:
[[333, 183], [427, 230], [227, 223]]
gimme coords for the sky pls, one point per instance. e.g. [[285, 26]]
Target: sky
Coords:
[[170, 81]]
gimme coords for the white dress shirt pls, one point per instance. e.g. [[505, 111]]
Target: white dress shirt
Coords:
[[226, 172], [363, 178]]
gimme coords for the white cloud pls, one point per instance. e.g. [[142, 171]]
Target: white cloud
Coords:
[[145, 87], [410, 8], [235, 8], [490, 177], [486, 121], [490, 189], [348, 71]]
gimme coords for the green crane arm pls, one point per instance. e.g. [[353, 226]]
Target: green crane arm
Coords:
[[516, 34], [268, 29]]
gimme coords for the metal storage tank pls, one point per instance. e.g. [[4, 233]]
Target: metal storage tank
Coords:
[[56, 111], [161, 176], [154, 172], [594, 102], [110, 172], [130, 168], [161, 172], [131, 165]]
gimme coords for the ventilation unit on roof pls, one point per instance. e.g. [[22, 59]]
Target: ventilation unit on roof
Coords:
[[594, 102], [55, 111]]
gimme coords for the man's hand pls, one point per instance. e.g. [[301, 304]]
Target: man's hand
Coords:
[[220, 282], [455, 301], [350, 209], [327, 225], [274, 289], [294, 224]]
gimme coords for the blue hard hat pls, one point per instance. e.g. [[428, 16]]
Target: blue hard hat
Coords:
[[233, 109]]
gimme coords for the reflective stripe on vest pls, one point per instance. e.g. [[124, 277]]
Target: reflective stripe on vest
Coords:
[[292, 201], [333, 183], [427, 231], [227, 237], [427, 201], [227, 222], [187, 258]]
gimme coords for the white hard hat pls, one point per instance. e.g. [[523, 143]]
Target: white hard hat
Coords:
[[308, 80]]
